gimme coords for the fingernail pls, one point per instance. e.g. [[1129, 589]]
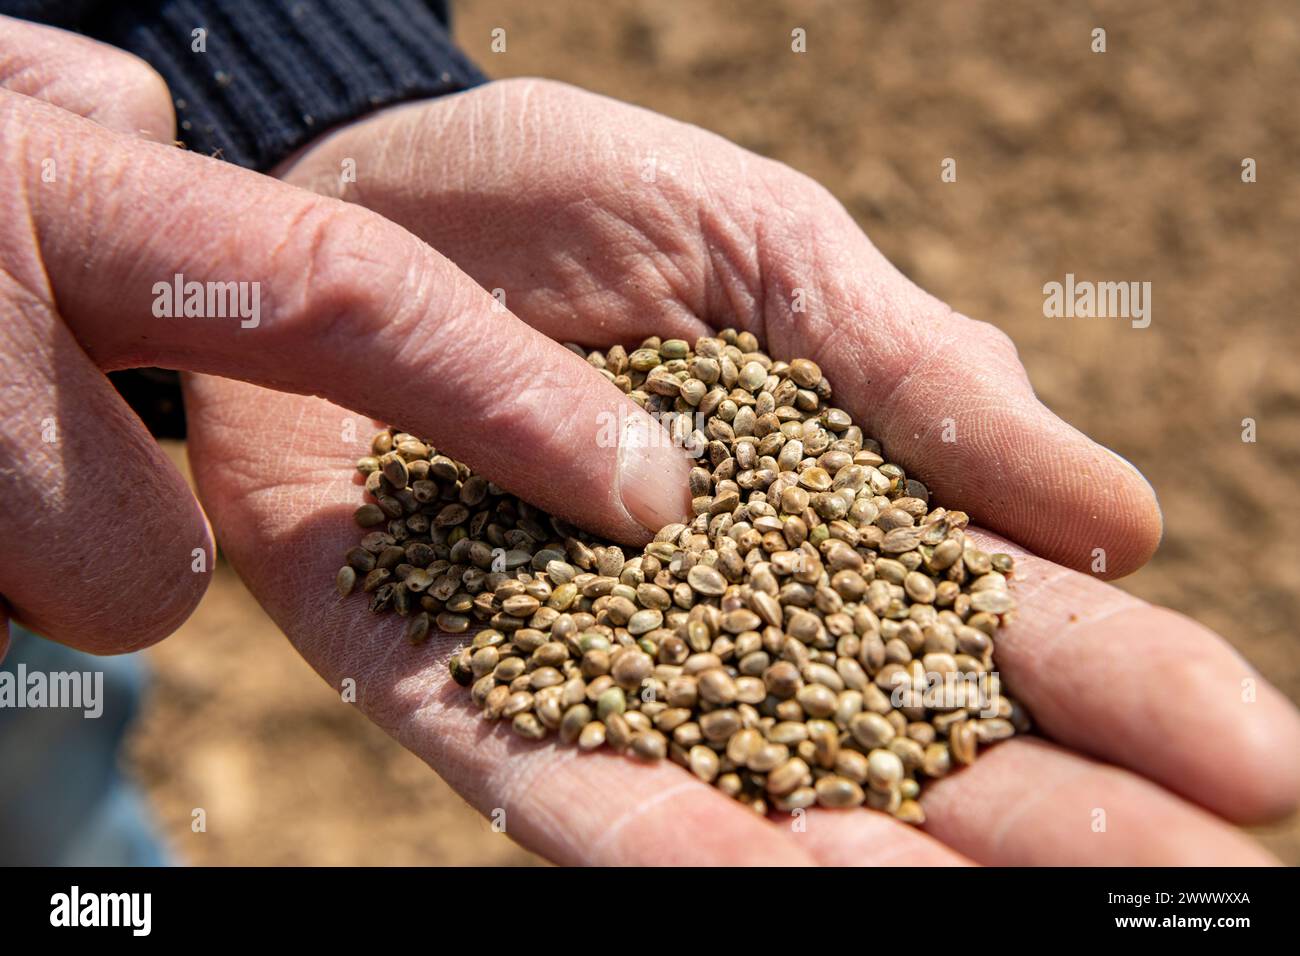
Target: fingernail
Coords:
[[653, 475]]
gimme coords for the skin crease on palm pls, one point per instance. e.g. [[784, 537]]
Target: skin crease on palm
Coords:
[[283, 506], [1143, 708]]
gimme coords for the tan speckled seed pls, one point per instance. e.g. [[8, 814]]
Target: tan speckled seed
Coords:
[[775, 642]]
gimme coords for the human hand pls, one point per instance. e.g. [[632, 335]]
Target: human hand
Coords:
[[79, 463], [540, 189], [96, 224], [1145, 710]]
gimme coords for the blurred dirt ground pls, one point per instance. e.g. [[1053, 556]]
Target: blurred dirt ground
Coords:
[[1120, 166]]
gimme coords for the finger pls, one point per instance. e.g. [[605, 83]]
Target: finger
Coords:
[[950, 401], [148, 529], [86, 77], [1026, 802], [285, 537], [868, 838], [339, 302], [571, 807], [1149, 689], [102, 546], [721, 236]]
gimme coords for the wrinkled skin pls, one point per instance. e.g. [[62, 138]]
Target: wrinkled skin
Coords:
[[536, 189]]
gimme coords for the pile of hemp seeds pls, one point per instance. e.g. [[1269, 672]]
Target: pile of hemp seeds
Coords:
[[817, 634]]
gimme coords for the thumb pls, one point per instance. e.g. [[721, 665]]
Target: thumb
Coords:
[[949, 399], [334, 301], [952, 402]]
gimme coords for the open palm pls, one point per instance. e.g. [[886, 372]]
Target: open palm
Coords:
[[604, 223]]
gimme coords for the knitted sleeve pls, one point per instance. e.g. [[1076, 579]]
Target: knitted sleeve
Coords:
[[253, 80]]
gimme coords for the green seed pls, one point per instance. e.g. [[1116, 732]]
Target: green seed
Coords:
[[610, 702]]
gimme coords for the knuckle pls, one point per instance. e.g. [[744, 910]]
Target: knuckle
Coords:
[[339, 269]]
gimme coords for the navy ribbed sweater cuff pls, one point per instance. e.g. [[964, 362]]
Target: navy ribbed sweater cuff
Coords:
[[274, 74]]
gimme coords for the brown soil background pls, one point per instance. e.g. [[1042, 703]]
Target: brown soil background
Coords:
[[1115, 166]]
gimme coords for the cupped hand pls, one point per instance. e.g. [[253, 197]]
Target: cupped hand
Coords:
[[98, 532], [1156, 736], [601, 222]]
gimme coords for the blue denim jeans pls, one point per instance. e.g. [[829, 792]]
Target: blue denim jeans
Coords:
[[63, 798]]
